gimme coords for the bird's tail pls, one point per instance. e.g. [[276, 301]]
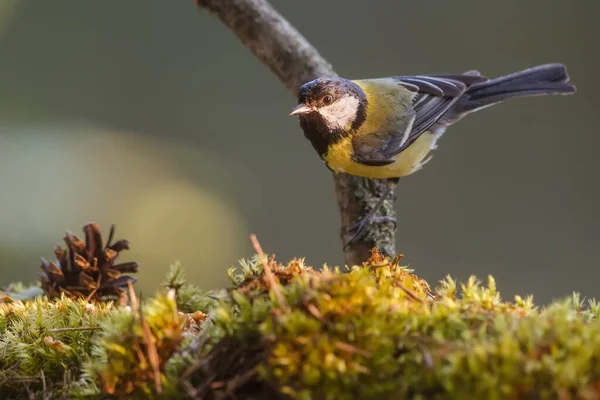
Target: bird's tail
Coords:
[[536, 81]]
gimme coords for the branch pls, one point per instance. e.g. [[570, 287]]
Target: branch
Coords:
[[272, 39]]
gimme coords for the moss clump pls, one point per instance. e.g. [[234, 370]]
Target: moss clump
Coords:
[[130, 358], [380, 332], [288, 331], [43, 344], [189, 298], [77, 348]]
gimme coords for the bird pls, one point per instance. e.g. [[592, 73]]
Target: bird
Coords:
[[385, 128]]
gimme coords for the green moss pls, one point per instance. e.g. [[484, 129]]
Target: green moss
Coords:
[[380, 332], [130, 358], [43, 344], [371, 331], [189, 298], [51, 348]]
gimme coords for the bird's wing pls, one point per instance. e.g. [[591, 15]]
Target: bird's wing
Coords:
[[434, 95]]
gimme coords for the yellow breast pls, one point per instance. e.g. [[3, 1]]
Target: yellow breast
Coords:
[[411, 159]]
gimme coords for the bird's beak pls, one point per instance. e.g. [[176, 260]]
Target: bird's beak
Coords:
[[301, 109]]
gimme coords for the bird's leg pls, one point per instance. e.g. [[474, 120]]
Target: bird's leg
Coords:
[[357, 229]]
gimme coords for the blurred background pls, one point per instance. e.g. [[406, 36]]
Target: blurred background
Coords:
[[151, 115]]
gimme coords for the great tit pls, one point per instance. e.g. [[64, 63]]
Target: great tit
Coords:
[[385, 128]]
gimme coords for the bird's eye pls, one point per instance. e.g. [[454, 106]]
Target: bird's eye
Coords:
[[328, 99]]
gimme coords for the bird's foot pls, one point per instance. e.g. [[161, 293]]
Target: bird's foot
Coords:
[[358, 229]]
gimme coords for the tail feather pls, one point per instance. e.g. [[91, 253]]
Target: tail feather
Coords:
[[541, 80]]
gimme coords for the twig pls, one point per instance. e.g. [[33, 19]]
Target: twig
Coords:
[[6, 370], [256, 244], [273, 40], [315, 312], [29, 392], [235, 383], [81, 328], [409, 292], [132, 297], [44, 388], [268, 273], [93, 292], [67, 379], [348, 348], [153, 356]]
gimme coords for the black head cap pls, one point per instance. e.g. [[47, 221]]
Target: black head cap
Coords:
[[314, 93]]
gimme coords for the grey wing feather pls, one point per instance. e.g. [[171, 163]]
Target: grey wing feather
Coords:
[[435, 94]]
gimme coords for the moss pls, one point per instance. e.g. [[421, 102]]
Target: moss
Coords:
[[189, 298], [380, 332], [43, 344], [288, 331], [74, 348], [130, 358]]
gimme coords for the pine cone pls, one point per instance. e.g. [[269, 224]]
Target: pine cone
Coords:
[[88, 269]]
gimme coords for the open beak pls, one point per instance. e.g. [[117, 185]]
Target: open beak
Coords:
[[301, 109]]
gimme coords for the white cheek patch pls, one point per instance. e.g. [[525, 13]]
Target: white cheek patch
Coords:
[[341, 113]]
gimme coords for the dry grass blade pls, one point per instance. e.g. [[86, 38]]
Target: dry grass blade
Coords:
[[82, 328], [315, 312], [44, 387], [409, 292], [348, 348], [151, 350], [267, 267], [153, 357], [93, 292], [133, 303]]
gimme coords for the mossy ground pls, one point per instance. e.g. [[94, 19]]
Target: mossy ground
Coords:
[[44, 344], [287, 331]]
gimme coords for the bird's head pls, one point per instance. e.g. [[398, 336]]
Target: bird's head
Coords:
[[331, 105]]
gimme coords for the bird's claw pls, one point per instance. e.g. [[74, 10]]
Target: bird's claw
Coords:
[[358, 229]]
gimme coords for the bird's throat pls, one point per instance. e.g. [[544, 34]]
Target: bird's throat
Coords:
[[319, 134]]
